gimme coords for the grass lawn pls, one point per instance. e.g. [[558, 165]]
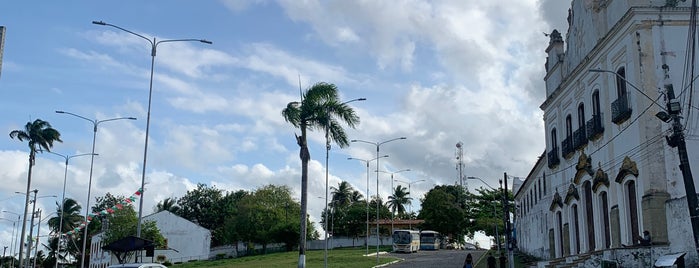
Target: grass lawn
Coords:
[[337, 258]]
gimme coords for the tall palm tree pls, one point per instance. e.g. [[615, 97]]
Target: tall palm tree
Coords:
[[39, 136], [319, 109], [169, 204], [342, 195], [356, 196], [70, 211], [398, 200]]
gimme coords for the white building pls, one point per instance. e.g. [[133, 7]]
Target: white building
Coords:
[[608, 172], [185, 241]]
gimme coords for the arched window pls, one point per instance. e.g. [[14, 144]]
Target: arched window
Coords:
[[576, 228], [604, 206], [587, 189], [581, 115], [633, 211], [569, 127], [554, 138], [559, 220], [621, 82], [595, 104]]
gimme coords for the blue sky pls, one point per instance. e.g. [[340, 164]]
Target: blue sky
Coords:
[[436, 72]]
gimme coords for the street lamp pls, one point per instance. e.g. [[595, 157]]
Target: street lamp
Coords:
[[378, 145], [31, 225], [63, 200], [392, 190], [671, 114], [154, 45], [410, 222], [13, 242], [327, 167], [495, 213], [367, 195], [95, 123]]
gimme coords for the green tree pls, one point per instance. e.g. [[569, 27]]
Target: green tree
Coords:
[[204, 206], [398, 200], [342, 194], [168, 204], [319, 107], [444, 212], [263, 216], [39, 136], [122, 222], [384, 213], [70, 211]]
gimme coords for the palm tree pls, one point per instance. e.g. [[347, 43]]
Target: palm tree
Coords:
[[398, 200], [169, 204], [356, 197], [39, 136], [70, 211], [320, 108], [342, 195]]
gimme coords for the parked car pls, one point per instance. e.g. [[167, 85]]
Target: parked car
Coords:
[[137, 265]]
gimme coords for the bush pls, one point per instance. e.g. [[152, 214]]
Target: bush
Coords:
[[167, 263]]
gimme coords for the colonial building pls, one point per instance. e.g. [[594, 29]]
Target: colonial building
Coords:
[[185, 241], [608, 172]]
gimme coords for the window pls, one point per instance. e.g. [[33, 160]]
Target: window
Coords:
[[604, 203], [554, 139], [576, 225], [581, 115], [539, 189], [621, 82], [633, 210], [587, 188], [569, 126], [595, 103]]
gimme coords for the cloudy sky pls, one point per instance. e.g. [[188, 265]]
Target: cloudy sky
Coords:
[[436, 72]]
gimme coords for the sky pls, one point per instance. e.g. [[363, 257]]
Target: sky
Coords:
[[435, 72]]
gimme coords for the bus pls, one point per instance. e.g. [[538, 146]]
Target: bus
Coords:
[[429, 240], [407, 241]]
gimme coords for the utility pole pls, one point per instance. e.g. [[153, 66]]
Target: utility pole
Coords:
[[677, 139], [508, 228]]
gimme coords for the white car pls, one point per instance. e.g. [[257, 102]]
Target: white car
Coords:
[[137, 265]]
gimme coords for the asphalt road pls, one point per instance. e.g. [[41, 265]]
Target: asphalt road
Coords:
[[438, 258]]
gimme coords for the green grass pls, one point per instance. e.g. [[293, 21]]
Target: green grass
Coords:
[[337, 258]]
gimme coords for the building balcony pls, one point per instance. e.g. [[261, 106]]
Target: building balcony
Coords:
[[620, 110], [552, 156], [579, 138], [594, 127], [567, 147]]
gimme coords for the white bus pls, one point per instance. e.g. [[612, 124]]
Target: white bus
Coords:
[[429, 240], [406, 241]]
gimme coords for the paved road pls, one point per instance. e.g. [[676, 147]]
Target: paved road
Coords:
[[439, 258]]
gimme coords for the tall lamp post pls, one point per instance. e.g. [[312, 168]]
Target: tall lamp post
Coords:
[[410, 222], [63, 200], [12, 241], [495, 213], [671, 114], [154, 45], [378, 145], [392, 189], [95, 123], [327, 168], [15, 237], [367, 195]]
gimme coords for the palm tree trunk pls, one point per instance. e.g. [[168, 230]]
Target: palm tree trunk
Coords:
[[305, 156], [26, 206]]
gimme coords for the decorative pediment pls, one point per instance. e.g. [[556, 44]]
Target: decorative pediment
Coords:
[[557, 201], [600, 178], [584, 167], [628, 167], [572, 194]]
